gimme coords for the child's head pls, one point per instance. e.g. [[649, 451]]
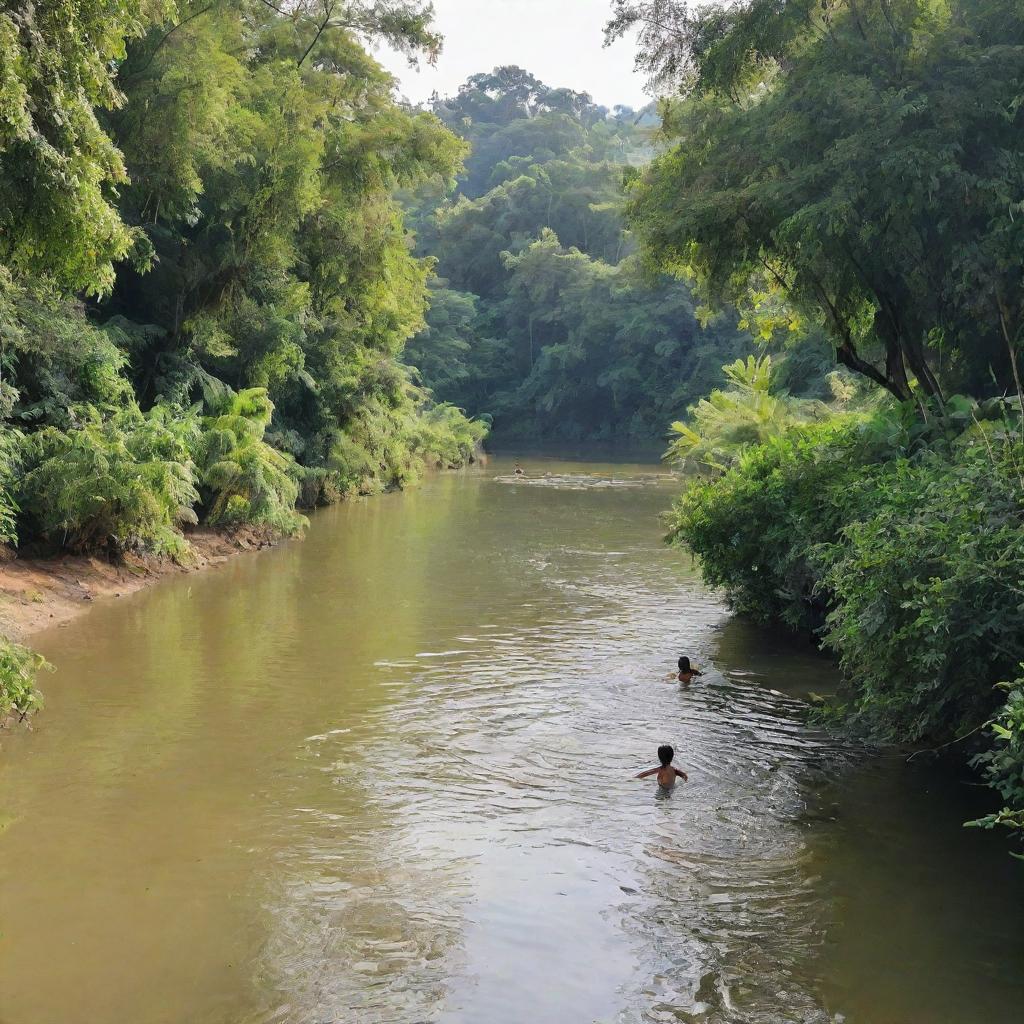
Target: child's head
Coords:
[[665, 755], [684, 664]]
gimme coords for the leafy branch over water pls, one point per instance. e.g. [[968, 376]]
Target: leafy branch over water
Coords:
[[18, 670]]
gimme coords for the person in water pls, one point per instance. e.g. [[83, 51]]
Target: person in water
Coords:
[[687, 671], [667, 775], [519, 470]]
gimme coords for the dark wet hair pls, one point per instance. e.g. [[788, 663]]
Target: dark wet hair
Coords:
[[665, 755], [684, 664]]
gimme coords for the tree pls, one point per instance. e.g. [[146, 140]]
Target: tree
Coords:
[[263, 180], [567, 337], [256, 148], [58, 166], [864, 157]]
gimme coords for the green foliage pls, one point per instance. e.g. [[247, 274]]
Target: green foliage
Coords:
[[384, 446], [246, 480], [122, 482], [53, 359], [759, 527], [906, 559], [9, 452], [246, 158], [926, 590], [517, 124], [18, 670], [726, 423], [1003, 765], [865, 159], [442, 351], [58, 165], [445, 439], [542, 318]]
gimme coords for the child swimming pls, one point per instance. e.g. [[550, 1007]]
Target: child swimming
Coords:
[[687, 671], [666, 773]]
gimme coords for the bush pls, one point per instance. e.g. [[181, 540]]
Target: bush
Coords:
[[18, 670], [246, 481], [9, 454], [1003, 765], [445, 439], [906, 560], [761, 528], [749, 412], [925, 587], [383, 446], [122, 482]]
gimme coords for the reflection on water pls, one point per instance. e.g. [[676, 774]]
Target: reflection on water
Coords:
[[582, 481], [385, 775]]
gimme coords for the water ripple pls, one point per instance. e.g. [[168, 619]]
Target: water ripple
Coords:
[[502, 827]]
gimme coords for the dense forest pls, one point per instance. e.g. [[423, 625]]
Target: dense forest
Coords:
[[205, 278], [854, 173], [542, 316]]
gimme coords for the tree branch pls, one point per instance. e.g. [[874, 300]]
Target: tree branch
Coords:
[[328, 12], [170, 32]]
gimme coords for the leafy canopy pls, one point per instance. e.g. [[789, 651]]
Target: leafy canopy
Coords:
[[865, 159]]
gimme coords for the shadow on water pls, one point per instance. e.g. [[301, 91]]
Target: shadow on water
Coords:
[[385, 776], [921, 916]]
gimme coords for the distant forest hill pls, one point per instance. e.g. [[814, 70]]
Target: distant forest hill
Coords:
[[540, 314]]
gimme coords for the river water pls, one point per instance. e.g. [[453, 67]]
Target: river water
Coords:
[[385, 775]]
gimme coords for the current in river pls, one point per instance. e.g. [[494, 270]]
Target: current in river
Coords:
[[385, 774]]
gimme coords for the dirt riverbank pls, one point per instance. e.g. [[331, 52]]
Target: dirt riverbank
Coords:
[[40, 592]]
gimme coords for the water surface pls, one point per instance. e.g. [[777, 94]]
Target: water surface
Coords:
[[384, 775]]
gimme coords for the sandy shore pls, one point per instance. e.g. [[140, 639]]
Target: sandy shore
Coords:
[[40, 592]]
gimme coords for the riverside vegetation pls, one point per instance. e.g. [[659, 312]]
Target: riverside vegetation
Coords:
[[205, 281], [851, 172]]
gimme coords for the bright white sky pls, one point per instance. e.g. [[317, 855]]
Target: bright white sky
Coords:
[[559, 41]]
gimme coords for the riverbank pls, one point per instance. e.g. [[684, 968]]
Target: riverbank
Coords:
[[36, 593]]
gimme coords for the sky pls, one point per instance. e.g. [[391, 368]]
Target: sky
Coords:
[[559, 41]]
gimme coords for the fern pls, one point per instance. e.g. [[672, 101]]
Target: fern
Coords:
[[246, 480], [124, 482], [383, 446], [9, 441], [728, 422]]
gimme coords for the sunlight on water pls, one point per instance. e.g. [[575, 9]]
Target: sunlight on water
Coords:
[[385, 775]]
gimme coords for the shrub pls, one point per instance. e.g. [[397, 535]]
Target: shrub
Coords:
[[245, 480], [122, 482], [18, 670], [761, 528], [1003, 765], [383, 446], [925, 584], [906, 559], [444, 438], [749, 412], [9, 454]]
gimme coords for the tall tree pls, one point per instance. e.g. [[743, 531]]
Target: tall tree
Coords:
[[562, 336], [58, 167], [865, 158]]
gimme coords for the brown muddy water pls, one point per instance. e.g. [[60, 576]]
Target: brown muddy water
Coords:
[[384, 775]]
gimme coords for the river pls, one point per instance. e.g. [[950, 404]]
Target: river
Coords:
[[385, 775]]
